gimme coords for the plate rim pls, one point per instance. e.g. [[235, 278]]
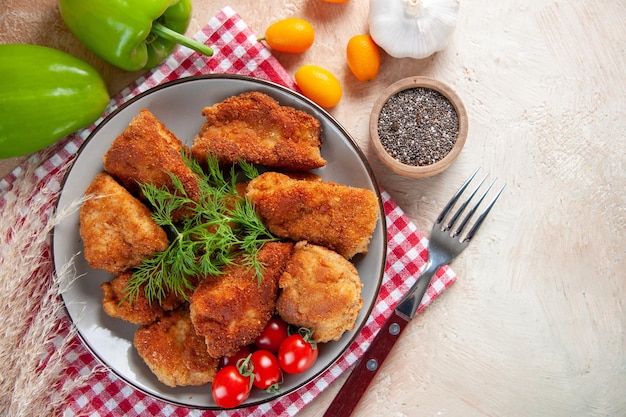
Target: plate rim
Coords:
[[288, 91]]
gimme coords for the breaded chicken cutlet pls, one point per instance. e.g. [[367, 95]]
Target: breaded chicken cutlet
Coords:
[[117, 229], [256, 128], [336, 216], [230, 310], [138, 310], [174, 352], [145, 152], [321, 290]]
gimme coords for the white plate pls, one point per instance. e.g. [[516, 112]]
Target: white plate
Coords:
[[178, 104]]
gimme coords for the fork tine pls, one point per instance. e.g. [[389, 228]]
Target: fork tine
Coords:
[[467, 218], [483, 215], [461, 209], [454, 198]]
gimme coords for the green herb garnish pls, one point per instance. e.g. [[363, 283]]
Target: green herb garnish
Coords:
[[220, 227]]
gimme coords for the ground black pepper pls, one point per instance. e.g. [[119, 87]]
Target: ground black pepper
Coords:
[[418, 126]]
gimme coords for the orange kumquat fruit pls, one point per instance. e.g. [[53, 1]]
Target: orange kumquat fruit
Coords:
[[363, 57], [292, 35], [319, 85]]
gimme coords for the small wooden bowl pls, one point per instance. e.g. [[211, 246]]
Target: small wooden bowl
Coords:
[[416, 171]]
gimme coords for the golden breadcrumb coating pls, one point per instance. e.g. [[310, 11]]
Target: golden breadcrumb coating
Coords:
[[231, 310], [174, 352], [321, 290], [256, 128], [117, 230], [137, 311], [336, 216], [144, 153]]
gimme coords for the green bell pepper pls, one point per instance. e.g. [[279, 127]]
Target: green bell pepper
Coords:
[[46, 94], [131, 34]]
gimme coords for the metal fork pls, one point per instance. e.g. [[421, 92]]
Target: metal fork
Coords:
[[446, 243]]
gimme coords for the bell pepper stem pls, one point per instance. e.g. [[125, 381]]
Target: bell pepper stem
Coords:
[[167, 33]]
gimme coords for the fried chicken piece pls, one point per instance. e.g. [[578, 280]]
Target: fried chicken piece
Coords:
[[145, 152], [336, 216], [230, 310], [256, 128], [174, 352], [138, 310], [117, 230], [321, 290]]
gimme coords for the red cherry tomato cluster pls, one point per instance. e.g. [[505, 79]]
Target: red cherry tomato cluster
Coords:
[[262, 366]]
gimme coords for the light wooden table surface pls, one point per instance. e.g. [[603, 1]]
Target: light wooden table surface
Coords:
[[535, 325]]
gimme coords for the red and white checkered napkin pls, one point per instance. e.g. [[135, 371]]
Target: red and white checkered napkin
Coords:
[[236, 51]]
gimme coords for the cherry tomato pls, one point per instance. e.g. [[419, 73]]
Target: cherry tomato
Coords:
[[266, 370], [273, 334], [230, 387], [242, 353], [297, 354]]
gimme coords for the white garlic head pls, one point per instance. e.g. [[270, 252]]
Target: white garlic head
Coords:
[[412, 28]]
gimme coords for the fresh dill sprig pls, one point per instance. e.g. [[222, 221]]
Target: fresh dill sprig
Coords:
[[220, 227]]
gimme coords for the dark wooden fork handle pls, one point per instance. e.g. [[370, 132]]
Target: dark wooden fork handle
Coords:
[[366, 368]]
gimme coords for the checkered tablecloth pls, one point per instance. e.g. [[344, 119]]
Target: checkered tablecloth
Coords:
[[237, 51]]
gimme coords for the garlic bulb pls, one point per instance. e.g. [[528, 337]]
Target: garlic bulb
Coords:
[[412, 28]]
